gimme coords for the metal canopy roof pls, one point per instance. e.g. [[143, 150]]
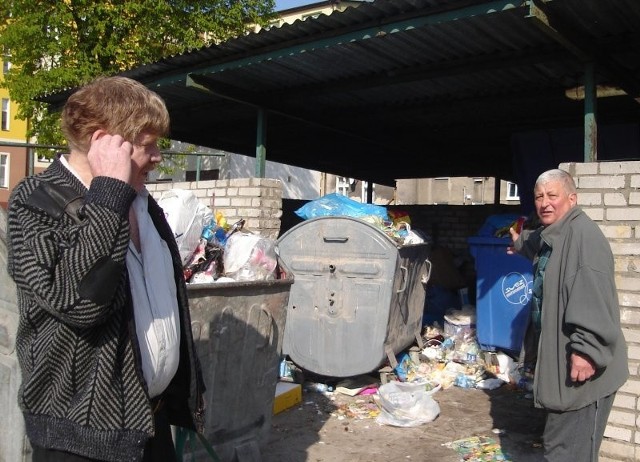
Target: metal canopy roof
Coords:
[[404, 88]]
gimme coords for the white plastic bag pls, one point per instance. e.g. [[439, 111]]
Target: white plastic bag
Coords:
[[250, 257], [186, 216], [406, 404], [411, 237]]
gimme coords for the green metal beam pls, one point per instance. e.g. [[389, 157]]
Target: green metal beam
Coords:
[[261, 143], [590, 111], [31, 145]]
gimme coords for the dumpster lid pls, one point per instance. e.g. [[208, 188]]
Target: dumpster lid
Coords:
[[486, 240]]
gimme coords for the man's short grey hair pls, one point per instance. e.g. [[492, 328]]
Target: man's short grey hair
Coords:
[[558, 175]]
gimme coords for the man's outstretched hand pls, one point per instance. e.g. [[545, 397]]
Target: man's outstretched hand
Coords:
[[514, 237]]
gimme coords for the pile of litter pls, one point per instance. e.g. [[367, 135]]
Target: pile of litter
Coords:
[[478, 449]]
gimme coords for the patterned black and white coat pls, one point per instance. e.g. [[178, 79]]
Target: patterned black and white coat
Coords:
[[82, 385]]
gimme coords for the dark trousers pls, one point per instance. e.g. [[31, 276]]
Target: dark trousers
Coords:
[[158, 449], [576, 435]]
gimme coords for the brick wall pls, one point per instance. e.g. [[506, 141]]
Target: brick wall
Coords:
[[257, 200], [609, 192]]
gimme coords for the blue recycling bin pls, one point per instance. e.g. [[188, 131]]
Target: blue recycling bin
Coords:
[[503, 294]]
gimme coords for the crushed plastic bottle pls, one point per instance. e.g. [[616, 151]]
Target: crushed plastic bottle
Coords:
[[214, 234], [465, 381], [318, 387], [286, 370]]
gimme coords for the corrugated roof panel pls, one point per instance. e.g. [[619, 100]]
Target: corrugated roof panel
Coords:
[[455, 76]]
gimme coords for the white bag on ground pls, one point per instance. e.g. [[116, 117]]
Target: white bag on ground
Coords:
[[406, 404]]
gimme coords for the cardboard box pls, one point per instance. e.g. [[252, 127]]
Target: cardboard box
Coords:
[[287, 395]]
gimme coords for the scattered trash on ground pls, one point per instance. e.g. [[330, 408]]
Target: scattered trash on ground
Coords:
[[360, 409], [478, 449], [403, 396]]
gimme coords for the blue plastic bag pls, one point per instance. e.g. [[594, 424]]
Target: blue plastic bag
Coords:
[[339, 205], [404, 367]]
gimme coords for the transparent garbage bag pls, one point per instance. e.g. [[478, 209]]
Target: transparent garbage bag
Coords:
[[186, 216], [250, 257], [406, 404]]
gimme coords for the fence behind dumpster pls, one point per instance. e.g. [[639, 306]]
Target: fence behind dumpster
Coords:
[[238, 329]]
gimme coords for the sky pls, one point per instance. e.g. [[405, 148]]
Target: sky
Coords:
[[286, 4]]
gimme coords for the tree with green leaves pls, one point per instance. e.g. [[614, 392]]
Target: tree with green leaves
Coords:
[[54, 46]]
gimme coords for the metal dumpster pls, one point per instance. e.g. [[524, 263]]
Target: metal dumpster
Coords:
[[358, 296], [238, 329]]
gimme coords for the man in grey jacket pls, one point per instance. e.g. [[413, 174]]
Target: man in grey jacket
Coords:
[[574, 333]]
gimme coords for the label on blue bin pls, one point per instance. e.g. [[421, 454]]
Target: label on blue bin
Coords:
[[516, 289]]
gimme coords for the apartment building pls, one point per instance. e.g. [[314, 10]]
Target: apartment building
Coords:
[[14, 162]]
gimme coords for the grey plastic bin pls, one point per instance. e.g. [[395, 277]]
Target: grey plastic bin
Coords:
[[238, 329], [358, 296]]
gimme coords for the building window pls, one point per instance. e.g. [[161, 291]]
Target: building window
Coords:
[[4, 170], [440, 193], [363, 193], [5, 114], [205, 175], [478, 191], [512, 192], [343, 185], [6, 65]]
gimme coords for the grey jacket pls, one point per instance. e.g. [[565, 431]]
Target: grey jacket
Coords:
[[580, 312], [82, 386]]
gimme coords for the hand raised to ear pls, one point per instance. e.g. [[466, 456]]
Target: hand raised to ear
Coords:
[[110, 155]]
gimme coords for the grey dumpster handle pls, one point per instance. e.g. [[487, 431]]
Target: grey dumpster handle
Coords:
[[426, 277], [405, 276], [272, 322], [335, 239]]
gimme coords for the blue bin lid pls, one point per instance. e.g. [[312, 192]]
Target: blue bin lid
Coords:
[[479, 245], [486, 240]]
